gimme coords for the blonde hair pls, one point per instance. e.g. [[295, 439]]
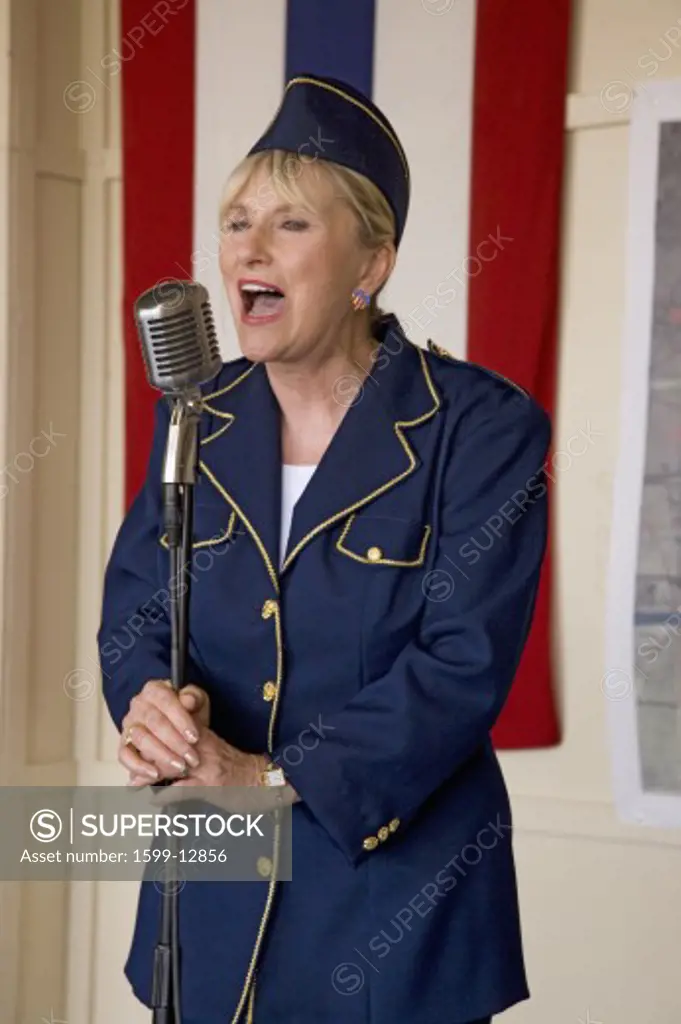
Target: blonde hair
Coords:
[[374, 216]]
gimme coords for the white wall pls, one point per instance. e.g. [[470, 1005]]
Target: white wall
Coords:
[[601, 901]]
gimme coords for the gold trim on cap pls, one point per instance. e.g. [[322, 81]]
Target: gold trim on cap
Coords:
[[302, 80]]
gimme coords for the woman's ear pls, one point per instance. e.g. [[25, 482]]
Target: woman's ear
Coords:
[[378, 269]]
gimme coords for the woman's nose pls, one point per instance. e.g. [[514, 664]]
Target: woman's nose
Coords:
[[255, 249]]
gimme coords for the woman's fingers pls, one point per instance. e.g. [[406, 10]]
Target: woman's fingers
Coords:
[[196, 701], [162, 695], [157, 708], [136, 764], [138, 781], [152, 749], [160, 730]]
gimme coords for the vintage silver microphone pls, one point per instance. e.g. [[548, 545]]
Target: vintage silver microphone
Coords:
[[180, 350], [179, 343]]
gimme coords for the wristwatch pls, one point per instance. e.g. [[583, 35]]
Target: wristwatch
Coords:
[[272, 775]]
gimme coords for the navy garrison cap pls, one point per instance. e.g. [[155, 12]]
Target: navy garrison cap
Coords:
[[330, 120]]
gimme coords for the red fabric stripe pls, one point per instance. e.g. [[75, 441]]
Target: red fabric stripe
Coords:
[[517, 166], [157, 48]]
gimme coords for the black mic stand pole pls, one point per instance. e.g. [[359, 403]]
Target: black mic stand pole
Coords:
[[179, 476]]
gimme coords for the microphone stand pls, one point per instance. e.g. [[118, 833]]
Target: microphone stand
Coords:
[[179, 476]]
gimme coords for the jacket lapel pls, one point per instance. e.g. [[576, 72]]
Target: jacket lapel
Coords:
[[369, 454], [241, 457]]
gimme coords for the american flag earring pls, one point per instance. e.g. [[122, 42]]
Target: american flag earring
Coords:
[[360, 298]]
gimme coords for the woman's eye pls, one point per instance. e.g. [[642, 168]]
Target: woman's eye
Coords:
[[234, 225], [295, 225]]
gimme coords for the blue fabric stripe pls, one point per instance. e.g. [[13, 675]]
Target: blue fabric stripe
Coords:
[[332, 37]]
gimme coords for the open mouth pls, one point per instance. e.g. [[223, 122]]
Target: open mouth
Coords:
[[260, 300]]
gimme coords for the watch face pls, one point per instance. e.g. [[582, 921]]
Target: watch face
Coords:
[[275, 777]]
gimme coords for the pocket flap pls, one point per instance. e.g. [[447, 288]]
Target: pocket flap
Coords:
[[382, 540], [213, 525]]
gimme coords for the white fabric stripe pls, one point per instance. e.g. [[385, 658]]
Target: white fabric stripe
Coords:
[[239, 81], [423, 80]]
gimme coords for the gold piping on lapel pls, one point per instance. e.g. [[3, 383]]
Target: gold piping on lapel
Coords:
[[446, 354], [229, 416], [251, 1001], [398, 427], [382, 561], [232, 384], [246, 521], [220, 430], [163, 541]]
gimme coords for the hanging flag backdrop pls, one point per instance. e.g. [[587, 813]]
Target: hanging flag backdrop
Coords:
[[482, 124]]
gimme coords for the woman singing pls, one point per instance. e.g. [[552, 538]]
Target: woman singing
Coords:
[[378, 516]]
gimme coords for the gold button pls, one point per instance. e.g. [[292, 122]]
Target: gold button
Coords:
[[264, 865], [269, 608], [269, 690], [383, 833], [374, 554], [394, 824], [370, 843]]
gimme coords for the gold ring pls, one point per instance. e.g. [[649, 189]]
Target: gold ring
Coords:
[[128, 736]]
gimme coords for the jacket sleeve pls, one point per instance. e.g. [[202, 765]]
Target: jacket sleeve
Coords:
[[134, 634], [410, 730]]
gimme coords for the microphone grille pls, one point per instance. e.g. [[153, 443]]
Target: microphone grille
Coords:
[[177, 331]]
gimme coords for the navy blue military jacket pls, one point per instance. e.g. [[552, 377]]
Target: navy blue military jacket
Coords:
[[371, 664]]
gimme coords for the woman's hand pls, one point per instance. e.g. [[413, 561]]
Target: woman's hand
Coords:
[[160, 733], [221, 764], [237, 773], [232, 775], [218, 764]]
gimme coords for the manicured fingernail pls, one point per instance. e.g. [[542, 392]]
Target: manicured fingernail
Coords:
[[191, 736], [178, 765], [151, 772], [191, 758]]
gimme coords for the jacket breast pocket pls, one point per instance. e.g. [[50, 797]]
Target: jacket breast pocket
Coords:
[[384, 541], [214, 527]]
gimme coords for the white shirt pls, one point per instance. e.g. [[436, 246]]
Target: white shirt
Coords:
[[294, 480]]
